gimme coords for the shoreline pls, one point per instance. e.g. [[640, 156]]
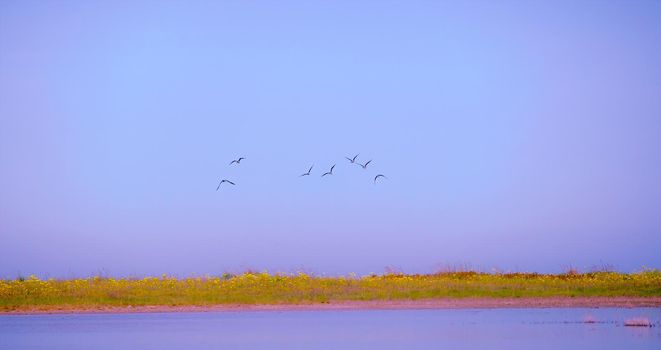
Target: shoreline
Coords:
[[426, 304]]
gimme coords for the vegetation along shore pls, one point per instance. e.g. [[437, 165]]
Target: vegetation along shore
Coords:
[[295, 291]]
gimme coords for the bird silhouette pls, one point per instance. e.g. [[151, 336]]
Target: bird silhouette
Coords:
[[352, 160], [378, 176], [330, 172], [365, 165], [221, 182], [309, 170], [237, 161]]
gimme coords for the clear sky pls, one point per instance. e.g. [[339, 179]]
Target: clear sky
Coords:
[[521, 135]]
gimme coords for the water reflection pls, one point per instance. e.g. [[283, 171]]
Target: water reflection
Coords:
[[401, 329]]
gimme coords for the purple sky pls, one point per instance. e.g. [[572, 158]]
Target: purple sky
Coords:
[[514, 135]]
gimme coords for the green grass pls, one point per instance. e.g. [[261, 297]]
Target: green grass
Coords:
[[264, 288]]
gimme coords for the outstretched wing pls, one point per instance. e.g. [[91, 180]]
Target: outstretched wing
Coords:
[[234, 161], [332, 167], [228, 181], [349, 159], [378, 176], [218, 185], [369, 161], [309, 170], [324, 174], [354, 157]]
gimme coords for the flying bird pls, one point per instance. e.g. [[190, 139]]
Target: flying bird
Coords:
[[309, 170], [330, 172], [352, 160], [365, 165], [378, 176], [237, 161], [221, 182]]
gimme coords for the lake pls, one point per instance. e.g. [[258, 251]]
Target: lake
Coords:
[[358, 329]]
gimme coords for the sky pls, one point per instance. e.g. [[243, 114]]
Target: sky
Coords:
[[514, 135]]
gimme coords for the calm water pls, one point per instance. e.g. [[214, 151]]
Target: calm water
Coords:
[[402, 329]]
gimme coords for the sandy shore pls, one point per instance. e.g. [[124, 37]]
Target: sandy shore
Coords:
[[468, 303]]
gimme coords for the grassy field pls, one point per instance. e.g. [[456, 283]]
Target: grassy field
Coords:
[[264, 288]]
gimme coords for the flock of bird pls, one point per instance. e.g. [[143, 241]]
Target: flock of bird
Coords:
[[309, 172]]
